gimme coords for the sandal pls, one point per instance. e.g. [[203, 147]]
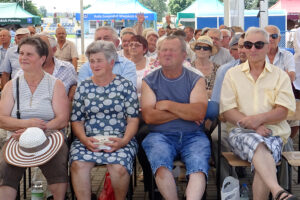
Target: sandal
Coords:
[[281, 192]]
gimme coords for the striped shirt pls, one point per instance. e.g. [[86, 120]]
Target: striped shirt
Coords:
[[38, 104]]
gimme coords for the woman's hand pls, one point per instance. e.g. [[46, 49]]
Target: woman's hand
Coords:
[[18, 133], [89, 143], [116, 144], [35, 122]]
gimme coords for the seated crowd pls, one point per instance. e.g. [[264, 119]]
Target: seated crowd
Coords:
[[148, 97]]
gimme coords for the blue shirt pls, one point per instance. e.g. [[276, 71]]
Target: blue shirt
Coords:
[[176, 90], [220, 77], [11, 63], [123, 67]]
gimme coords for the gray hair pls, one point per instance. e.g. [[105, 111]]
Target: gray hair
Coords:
[[100, 46], [111, 29], [181, 40], [275, 27], [227, 31], [51, 38], [215, 30], [262, 31]]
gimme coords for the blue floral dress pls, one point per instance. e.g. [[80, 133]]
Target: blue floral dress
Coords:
[[104, 111]]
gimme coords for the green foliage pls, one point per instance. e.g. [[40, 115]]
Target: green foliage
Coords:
[[158, 6], [43, 11], [176, 6], [28, 6]]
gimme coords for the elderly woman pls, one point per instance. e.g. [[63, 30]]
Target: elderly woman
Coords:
[[43, 103], [138, 48], [104, 105], [204, 48]]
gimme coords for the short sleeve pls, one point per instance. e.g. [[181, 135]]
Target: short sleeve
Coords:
[[285, 96], [131, 101], [228, 94], [78, 107]]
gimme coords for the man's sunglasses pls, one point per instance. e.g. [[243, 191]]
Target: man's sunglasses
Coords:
[[257, 45], [205, 48], [274, 36]]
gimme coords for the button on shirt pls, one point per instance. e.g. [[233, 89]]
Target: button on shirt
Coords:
[[251, 97], [284, 60], [11, 63], [123, 67], [63, 71]]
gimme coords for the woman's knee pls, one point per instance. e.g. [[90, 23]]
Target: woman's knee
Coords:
[[79, 166], [116, 169]]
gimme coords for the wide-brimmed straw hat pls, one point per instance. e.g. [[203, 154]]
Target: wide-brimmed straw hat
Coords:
[[34, 147], [205, 40]]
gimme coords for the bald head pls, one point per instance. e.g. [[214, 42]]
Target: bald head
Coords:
[[61, 34]]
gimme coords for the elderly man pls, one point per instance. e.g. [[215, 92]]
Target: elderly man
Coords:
[[222, 56], [122, 66], [277, 56], [226, 34], [66, 50], [189, 32], [161, 32], [10, 64], [233, 46], [151, 38], [171, 117], [5, 43], [32, 30], [256, 98], [126, 35], [62, 70]]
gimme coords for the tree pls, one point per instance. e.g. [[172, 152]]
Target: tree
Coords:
[[43, 11], [176, 6], [28, 6], [158, 6]]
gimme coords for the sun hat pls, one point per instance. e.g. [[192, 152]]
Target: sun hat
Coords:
[[34, 147], [152, 33], [22, 31], [205, 40]]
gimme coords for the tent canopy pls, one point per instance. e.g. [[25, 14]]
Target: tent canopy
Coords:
[[116, 9], [291, 6], [206, 8], [12, 13]]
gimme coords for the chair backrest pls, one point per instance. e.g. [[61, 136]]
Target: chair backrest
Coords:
[[296, 115]]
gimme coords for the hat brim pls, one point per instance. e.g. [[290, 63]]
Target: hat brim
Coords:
[[213, 47], [15, 156]]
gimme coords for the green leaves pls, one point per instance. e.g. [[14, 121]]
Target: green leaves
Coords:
[[158, 6]]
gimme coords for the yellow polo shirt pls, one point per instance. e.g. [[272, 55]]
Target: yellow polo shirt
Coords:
[[273, 87]]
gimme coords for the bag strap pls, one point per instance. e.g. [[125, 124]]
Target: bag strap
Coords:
[[18, 100]]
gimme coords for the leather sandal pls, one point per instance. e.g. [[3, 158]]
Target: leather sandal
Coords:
[[284, 197]]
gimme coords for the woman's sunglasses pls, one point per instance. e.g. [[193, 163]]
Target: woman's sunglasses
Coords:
[[205, 48], [257, 45]]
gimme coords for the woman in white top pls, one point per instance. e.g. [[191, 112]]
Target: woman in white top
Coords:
[[138, 47]]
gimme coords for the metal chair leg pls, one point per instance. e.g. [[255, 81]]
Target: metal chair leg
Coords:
[[219, 162]]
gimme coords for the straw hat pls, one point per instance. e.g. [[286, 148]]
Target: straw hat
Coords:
[[34, 148], [205, 40]]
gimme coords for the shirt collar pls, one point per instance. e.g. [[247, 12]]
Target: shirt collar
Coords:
[[246, 67]]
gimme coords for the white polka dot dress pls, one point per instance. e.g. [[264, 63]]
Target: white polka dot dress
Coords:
[[104, 111]]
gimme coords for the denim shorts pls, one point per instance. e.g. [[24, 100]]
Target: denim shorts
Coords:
[[192, 148]]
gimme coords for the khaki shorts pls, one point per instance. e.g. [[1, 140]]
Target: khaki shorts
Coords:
[[55, 171]]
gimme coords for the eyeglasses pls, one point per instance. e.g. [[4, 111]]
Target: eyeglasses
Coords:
[[205, 48], [136, 44], [257, 45], [274, 36]]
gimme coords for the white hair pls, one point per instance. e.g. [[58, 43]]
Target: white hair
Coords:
[[262, 31], [227, 31], [51, 38]]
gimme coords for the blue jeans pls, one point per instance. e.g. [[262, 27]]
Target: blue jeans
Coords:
[[193, 148]]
